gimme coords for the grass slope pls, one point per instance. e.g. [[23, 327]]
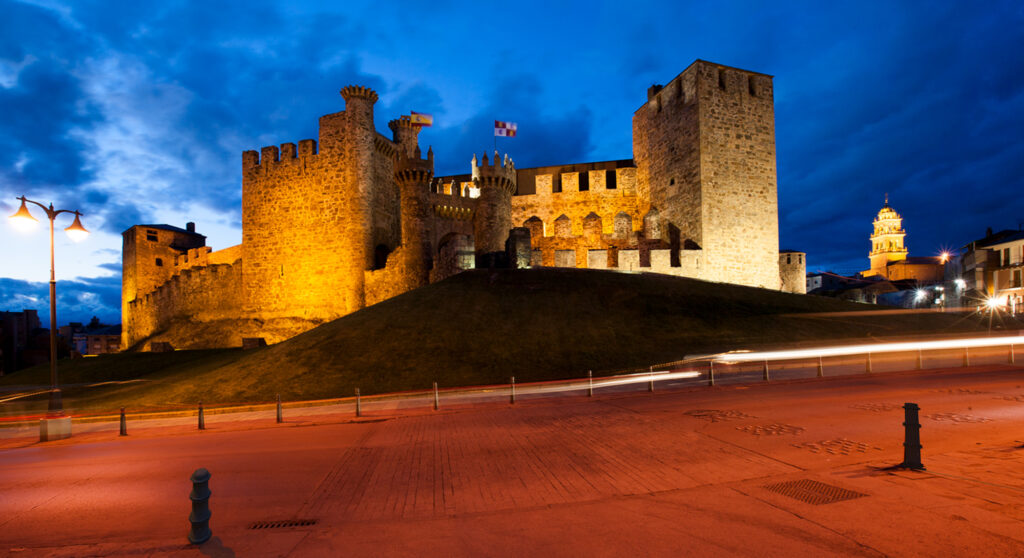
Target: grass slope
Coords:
[[483, 326]]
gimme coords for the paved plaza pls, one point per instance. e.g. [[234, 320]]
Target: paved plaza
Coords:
[[793, 468]]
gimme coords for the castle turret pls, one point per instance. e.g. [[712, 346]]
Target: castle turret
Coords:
[[357, 219], [413, 176], [493, 218], [405, 134], [886, 240]]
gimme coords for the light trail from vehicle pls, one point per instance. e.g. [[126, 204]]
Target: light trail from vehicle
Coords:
[[874, 348]]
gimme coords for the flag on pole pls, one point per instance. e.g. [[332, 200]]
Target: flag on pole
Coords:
[[505, 129], [421, 119]]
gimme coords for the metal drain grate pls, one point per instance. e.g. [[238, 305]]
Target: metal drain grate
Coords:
[[281, 524], [813, 492]]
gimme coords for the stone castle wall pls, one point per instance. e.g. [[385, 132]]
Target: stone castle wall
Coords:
[[793, 272], [332, 225], [705, 152], [199, 294]]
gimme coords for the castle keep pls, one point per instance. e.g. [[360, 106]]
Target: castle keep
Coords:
[[332, 225]]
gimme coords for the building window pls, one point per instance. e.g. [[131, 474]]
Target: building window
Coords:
[[721, 80], [1016, 279], [151, 237], [1006, 256], [789, 258], [159, 262], [750, 86], [584, 181], [610, 178]]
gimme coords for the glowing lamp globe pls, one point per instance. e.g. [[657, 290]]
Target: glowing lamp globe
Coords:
[[22, 219], [76, 231]]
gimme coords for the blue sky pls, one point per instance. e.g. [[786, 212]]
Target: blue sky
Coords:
[[137, 112]]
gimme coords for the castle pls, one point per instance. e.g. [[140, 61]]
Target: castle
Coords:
[[330, 226]]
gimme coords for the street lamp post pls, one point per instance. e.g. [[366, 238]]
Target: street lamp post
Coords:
[[77, 233]]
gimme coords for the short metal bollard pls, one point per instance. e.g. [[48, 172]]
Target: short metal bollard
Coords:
[[124, 423], [280, 416], [200, 516], [437, 401], [766, 377], [359, 404], [650, 386], [912, 445], [711, 372], [202, 419], [867, 366], [967, 357], [920, 359], [512, 393], [590, 383], [1011, 353], [821, 368]]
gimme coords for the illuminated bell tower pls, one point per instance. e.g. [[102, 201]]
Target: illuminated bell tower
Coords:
[[887, 240]]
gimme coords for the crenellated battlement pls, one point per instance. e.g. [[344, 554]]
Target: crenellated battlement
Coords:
[[271, 155], [499, 174], [350, 92], [403, 122], [414, 170]]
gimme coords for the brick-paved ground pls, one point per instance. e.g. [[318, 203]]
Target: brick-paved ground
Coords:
[[675, 472]]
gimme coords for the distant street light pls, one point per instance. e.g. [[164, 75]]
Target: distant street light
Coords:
[[24, 220]]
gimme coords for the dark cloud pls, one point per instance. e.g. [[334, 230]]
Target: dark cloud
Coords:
[[544, 137], [77, 300]]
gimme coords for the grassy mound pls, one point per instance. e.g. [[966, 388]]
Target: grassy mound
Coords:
[[483, 326]]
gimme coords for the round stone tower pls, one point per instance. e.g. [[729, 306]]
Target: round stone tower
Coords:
[[493, 218], [887, 239], [413, 176], [406, 135], [357, 220]]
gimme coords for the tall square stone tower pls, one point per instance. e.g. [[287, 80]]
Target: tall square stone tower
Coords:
[[704, 146]]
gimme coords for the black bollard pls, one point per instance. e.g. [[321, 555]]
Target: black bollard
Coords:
[[437, 402], [650, 386], [512, 393], [200, 516], [124, 423], [280, 416], [711, 372], [359, 404], [912, 445], [202, 420], [765, 375]]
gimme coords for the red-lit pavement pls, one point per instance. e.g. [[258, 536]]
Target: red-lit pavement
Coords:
[[629, 473]]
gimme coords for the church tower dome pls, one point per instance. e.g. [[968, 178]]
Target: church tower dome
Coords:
[[887, 239]]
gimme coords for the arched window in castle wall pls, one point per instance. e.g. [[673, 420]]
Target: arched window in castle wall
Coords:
[[592, 229], [536, 227], [563, 227], [623, 225], [652, 224]]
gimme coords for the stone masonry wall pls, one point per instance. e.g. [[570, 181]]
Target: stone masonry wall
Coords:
[[704, 146], [793, 272], [199, 294]]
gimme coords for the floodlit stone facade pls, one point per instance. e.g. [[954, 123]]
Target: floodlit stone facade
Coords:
[[332, 225]]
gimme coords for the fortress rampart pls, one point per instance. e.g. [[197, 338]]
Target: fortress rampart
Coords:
[[332, 224]]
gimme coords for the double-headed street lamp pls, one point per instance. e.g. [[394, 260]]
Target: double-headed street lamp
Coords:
[[24, 220]]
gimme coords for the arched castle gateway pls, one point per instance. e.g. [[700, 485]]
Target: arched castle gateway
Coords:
[[333, 225]]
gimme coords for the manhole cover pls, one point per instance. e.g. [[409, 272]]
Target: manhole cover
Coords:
[[714, 415], [813, 492], [840, 446], [283, 523]]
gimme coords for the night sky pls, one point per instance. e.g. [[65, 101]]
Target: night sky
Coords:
[[138, 112]]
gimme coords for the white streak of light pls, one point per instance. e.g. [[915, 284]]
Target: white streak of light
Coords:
[[847, 350]]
